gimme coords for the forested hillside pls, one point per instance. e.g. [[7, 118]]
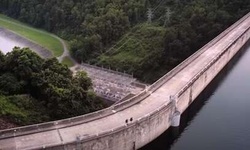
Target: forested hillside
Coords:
[[34, 90], [119, 34]]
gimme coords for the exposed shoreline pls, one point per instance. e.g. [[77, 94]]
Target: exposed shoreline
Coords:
[[5, 124], [41, 51]]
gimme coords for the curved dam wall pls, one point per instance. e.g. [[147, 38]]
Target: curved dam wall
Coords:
[[150, 126], [194, 87], [145, 128]]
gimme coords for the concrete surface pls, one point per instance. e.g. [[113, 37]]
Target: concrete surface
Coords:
[[136, 122]]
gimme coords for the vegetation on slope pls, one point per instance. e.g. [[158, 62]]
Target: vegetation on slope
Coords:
[[67, 61], [191, 24], [136, 54], [22, 110], [113, 32], [34, 90]]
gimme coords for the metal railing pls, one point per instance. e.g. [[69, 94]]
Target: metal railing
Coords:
[[214, 60], [187, 61], [118, 107]]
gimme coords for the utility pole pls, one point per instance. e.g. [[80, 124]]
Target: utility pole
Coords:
[[168, 16], [150, 15]]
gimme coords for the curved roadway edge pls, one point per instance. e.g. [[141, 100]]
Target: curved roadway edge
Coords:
[[41, 51], [107, 129], [45, 53], [66, 52]]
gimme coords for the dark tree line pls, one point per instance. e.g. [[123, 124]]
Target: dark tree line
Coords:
[[90, 25], [190, 25], [49, 84], [93, 26]]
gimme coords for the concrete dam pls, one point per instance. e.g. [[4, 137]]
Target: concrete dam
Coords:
[[137, 121]]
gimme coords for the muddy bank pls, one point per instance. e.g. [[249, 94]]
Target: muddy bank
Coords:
[[43, 52], [5, 124]]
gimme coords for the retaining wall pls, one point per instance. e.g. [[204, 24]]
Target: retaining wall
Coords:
[[193, 88], [145, 129]]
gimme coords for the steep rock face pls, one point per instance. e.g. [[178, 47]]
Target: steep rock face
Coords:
[[5, 124]]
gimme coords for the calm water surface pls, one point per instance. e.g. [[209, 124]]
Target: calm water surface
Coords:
[[6, 44], [220, 117]]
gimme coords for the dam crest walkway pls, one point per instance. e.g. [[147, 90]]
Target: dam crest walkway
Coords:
[[127, 114]]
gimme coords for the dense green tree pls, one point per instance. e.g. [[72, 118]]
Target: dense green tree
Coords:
[[103, 31], [48, 83], [97, 23], [82, 80], [10, 85], [2, 61], [22, 62]]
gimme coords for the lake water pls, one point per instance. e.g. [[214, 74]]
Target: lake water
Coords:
[[219, 118], [6, 44]]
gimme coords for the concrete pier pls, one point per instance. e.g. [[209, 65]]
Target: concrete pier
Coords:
[[152, 110]]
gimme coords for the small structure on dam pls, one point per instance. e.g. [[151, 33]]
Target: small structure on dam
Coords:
[[152, 110]]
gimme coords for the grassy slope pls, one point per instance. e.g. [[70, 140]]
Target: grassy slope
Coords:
[[67, 61], [21, 110], [136, 50], [42, 38]]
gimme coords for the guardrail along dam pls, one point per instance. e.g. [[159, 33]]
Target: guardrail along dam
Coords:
[[137, 121]]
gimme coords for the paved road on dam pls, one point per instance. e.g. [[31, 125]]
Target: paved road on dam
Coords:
[[21, 41], [153, 102], [219, 117]]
